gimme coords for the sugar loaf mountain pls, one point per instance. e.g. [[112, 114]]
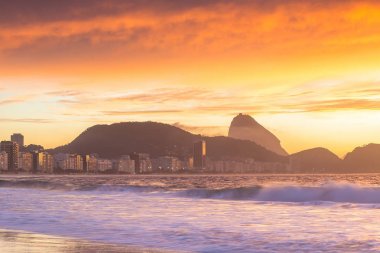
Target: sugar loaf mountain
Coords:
[[247, 141], [244, 127]]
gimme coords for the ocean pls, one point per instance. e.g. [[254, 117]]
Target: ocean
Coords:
[[190, 213]]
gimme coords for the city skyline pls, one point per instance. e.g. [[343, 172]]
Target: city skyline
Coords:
[[307, 71]]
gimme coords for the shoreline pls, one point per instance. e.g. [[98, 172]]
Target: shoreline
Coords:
[[24, 241], [187, 174]]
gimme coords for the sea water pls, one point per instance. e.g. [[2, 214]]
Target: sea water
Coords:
[[200, 213]]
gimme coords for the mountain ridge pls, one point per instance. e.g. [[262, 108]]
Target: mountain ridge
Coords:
[[159, 139], [317, 159], [363, 158]]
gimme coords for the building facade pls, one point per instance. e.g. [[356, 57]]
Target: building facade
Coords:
[[19, 139], [43, 162], [125, 165], [69, 162], [3, 161], [12, 149], [167, 164], [92, 164], [104, 165], [199, 155], [85, 159], [25, 161], [143, 163]]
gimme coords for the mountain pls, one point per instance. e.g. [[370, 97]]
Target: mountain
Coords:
[[244, 127], [315, 160], [363, 159], [157, 139]]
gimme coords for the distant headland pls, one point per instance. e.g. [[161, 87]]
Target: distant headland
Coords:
[[151, 147]]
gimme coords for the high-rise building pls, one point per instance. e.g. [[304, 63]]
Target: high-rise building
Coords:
[[85, 159], [92, 164], [11, 148], [142, 162], [43, 162], [199, 155], [104, 165], [69, 162], [25, 161], [3, 161], [167, 164], [125, 165], [19, 139]]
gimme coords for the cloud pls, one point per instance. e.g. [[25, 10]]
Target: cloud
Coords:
[[22, 12], [10, 101], [64, 93], [327, 96], [157, 96], [26, 120], [339, 105], [14, 100], [77, 31], [88, 45], [160, 95], [169, 102], [139, 112]]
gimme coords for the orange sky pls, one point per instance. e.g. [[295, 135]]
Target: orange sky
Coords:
[[308, 71]]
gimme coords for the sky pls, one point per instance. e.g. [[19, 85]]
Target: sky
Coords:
[[309, 71]]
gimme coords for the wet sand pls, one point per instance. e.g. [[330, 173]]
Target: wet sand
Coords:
[[21, 241]]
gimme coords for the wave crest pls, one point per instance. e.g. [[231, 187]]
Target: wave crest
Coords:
[[343, 193], [49, 185], [38, 184], [340, 193]]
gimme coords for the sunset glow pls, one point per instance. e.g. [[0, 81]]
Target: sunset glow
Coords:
[[308, 71]]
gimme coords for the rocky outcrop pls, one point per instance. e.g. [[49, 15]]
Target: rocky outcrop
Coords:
[[363, 159], [244, 127], [315, 160]]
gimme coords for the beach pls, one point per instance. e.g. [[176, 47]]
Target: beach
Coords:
[[197, 213], [12, 241]]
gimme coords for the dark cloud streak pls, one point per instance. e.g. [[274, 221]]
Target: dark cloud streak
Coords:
[[24, 12], [139, 112], [26, 120]]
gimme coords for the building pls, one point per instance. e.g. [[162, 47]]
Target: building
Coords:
[[241, 165], [125, 165], [199, 155], [3, 161], [68, 162], [167, 164], [19, 139], [12, 149], [43, 162], [92, 164], [146, 166], [142, 162], [25, 161], [104, 165], [190, 163], [85, 159]]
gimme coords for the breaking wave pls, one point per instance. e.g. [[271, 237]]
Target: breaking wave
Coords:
[[340, 193], [48, 185], [38, 184]]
